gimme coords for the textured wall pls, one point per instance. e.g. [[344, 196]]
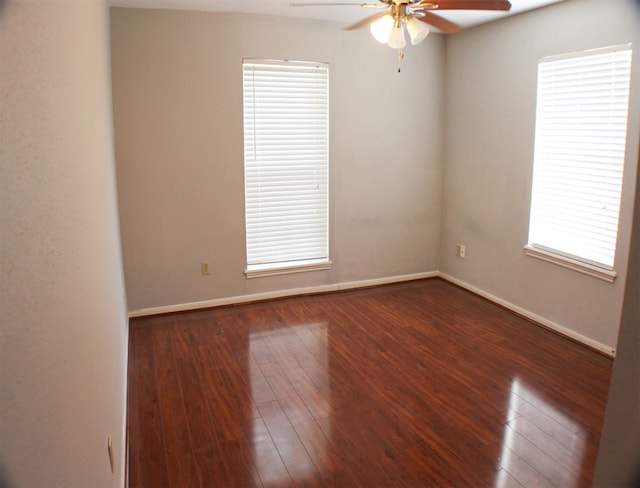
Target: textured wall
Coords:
[[619, 456], [63, 311], [177, 87], [490, 113]]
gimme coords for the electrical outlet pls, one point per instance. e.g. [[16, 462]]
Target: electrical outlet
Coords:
[[110, 451], [204, 267], [460, 250]]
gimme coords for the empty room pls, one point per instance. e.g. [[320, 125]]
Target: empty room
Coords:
[[249, 243]]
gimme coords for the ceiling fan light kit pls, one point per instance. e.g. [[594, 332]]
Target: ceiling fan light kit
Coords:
[[381, 28], [388, 31], [396, 38], [414, 15], [418, 31]]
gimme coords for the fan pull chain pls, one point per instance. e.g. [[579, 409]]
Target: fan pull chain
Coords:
[[400, 58]]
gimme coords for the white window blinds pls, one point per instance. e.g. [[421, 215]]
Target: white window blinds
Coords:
[[581, 127], [286, 139]]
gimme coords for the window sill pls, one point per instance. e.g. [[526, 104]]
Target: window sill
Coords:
[[268, 270], [574, 264]]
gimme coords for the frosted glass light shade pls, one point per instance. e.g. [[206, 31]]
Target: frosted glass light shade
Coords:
[[381, 28], [418, 31], [396, 39]]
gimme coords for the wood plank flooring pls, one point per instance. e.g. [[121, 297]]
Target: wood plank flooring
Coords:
[[406, 385]]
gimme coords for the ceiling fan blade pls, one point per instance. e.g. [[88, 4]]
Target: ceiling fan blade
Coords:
[[366, 21], [439, 23], [366, 5], [504, 5]]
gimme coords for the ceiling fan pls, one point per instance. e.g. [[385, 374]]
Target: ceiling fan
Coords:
[[388, 26]]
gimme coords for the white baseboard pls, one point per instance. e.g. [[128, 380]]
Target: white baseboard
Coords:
[[607, 350], [182, 307]]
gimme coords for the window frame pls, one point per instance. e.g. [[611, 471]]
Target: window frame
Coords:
[[251, 157], [562, 258]]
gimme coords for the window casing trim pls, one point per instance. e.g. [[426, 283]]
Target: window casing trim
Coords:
[[565, 261], [271, 269]]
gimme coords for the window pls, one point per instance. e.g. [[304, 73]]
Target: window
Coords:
[[581, 127], [286, 166]]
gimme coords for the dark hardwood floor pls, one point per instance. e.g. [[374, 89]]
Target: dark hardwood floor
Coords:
[[414, 384]]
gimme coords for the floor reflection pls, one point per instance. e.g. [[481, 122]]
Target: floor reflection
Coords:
[[291, 390], [541, 446], [403, 386]]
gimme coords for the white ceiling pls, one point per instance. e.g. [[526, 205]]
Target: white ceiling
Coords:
[[346, 14]]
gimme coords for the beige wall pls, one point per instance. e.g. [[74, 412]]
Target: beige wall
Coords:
[[619, 455], [63, 313], [177, 88], [490, 119]]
